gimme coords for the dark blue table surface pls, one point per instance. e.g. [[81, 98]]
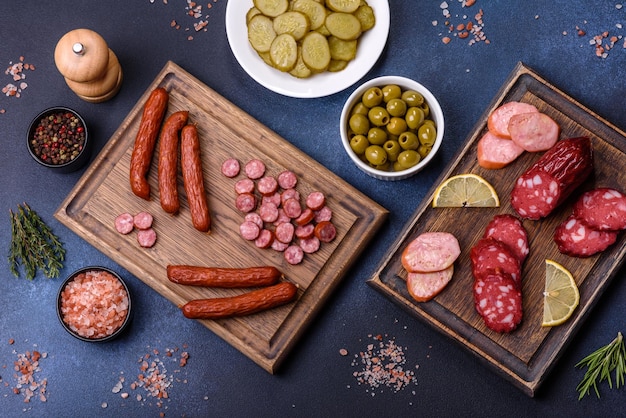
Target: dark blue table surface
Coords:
[[315, 380]]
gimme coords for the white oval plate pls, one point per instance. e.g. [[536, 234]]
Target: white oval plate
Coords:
[[371, 45]]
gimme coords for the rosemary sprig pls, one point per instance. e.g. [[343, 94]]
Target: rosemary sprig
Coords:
[[600, 364], [33, 245]]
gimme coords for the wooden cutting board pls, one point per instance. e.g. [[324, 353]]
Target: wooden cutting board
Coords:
[[526, 355], [225, 131]]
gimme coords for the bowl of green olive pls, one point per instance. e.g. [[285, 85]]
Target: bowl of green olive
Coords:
[[391, 127]]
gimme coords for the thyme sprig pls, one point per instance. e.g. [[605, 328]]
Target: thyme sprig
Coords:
[[33, 245], [600, 364]]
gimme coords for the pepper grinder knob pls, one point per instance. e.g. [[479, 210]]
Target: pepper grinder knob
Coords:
[[88, 65]]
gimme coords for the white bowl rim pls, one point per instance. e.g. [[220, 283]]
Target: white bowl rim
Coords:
[[435, 109]]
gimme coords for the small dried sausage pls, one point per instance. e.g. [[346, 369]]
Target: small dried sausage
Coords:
[[145, 141], [168, 161], [193, 179], [244, 304], [223, 277]]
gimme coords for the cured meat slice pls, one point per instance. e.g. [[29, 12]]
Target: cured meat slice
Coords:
[[494, 152], [254, 217], [255, 169], [265, 238], [143, 220], [489, 256], [267, 185], [268, 212], [431, 251], [310, 245], [325, 231], [287, 179], [535, 194], [534, 131], [244, 186], [292, 208], [245, 202], [284, 232], [575, 238], [316, 200], [324, 214], [498, 120], [230, 167], [249, 230], [124, 223], [498, 301], [510, 231], [424, 286], [294, 254], [305, 231], [146, 237], [603, 209]]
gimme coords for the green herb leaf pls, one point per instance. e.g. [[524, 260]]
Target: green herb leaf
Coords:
[[600, 364]]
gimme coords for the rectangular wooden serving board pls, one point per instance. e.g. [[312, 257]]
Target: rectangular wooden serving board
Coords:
[[225, 131], [526, 355]]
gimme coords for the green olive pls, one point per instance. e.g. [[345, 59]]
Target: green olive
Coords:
[[359, 108], [396, 126], [423, 150], [359, 143], [427, 134], [408, 140], [397, 166], [424, 106], [412, 98], [376, 136], [393, 149], [408, 158], [396, 107], [383, 167], [390, 92], [375, 155], [378, 116], [359, 124], [372, 97], [414, 117]]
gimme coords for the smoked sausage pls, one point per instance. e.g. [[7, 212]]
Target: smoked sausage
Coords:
[[223, 277], [244, 304], [145, 141], [168, 161], [193, 179]]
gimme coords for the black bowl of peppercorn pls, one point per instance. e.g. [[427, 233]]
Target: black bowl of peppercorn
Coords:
[[58, 139]]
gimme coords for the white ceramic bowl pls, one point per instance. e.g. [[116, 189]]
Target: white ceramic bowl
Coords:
[[436, 114]]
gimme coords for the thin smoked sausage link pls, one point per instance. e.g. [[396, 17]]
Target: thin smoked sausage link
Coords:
[[168, 161], [193, 178]]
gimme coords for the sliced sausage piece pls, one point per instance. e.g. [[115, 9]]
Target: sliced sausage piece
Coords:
[[309, 245], [255, 169], [494, 152], [284, 232], [305, 231], [292, 208], [254, 217], [231, 167], [576, 239], [268, 212], [289, 194], [249, 230], [315, 200], [324, 214], [287, 180], [294, 254], [265, 238], [510, 231], [489, 256], [424, 286], [279, 246], [535, 194], [498, 301], [498, 120], [267, 185], [244, 186], [273, 198], [534, 131], [245, 202], [124, 223], [146, 237], [431, 251], [553, 178], [325, 231], [603, 209], [305, 217], [143, 220]]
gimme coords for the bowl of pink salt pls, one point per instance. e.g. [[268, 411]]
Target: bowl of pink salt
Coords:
[[94, 304]]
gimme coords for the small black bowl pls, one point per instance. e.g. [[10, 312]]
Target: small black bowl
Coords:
[[75, 156], [123, 322]]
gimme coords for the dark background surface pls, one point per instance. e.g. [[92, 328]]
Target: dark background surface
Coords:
[[315, 380]]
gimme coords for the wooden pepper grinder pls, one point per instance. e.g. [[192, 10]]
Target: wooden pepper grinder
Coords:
[[88, 65]]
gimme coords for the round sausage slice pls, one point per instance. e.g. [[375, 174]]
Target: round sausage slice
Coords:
[[510, 231], [603, 209], [534, 131], [143, 220], [498, 120], [576, 239], [494, 152], [498, 301], [535, 194], [431, 251], [424, 286], [146, 237], [490, 255], [124, 223]]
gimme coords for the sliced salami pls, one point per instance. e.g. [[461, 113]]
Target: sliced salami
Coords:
[[265, 239], [267, 185], [143, 220], [305, 217], [305, 231], [309, 245], [255, 169], [268, 212], [535, 194], [424, 286], [575, 238], [244, 186], [510, 231], [489, 256], [603, 209], [146, 237], [274, 198], [124, 223], [325, 231], [245, 202], [292, 208], [254, 217], [284, 232], [289, 194], [324, 214], [249, 230], [294, 254], [231, 167], [287, 179], [278, 246], [498, 301], [431, 251], [315, 200]]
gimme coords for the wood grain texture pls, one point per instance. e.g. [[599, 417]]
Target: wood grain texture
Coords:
[[525, 356], [225, 131]]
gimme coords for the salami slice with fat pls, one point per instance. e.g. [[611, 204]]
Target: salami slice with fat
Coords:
[[576, 239], [535, 194], [603, 209], [510, 231], [489, 256], [498, 301]]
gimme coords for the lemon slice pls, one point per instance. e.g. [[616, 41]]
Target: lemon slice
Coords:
[[560, 296], [465, 190]]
